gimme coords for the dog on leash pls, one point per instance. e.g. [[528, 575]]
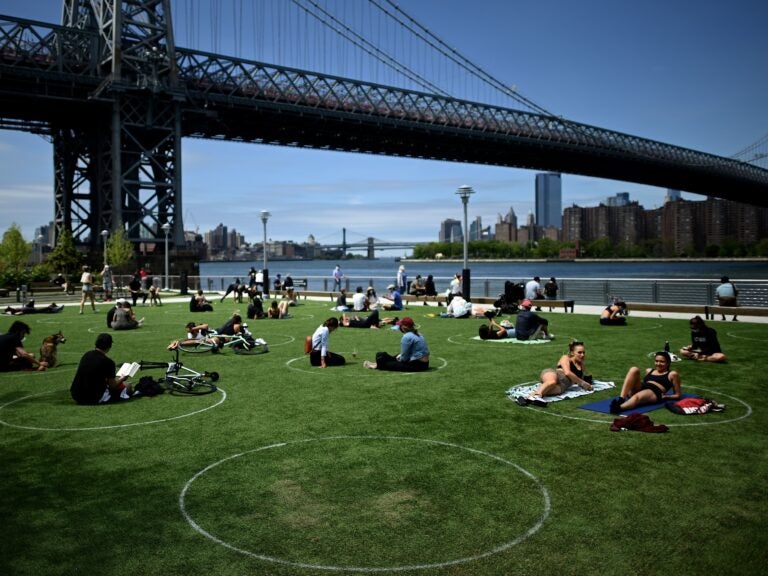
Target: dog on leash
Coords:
[[49, 348]]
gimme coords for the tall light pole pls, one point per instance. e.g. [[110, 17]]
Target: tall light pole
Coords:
[[167, 229], [105, 235], [464, 193], [265, 272]]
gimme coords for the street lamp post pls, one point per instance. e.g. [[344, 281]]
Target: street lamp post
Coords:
[[265, 272], [464, 193], [167, 229], [105, 235]]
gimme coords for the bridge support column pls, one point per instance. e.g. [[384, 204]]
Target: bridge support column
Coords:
[[371, 255]]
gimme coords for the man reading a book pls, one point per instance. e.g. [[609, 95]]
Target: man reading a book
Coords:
[[96, 381]]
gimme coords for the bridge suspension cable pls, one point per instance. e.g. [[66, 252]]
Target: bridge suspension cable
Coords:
[[455, 56], [756, 153]]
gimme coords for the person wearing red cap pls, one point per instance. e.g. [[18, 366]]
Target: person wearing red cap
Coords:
[[529, 325], [414, 352]]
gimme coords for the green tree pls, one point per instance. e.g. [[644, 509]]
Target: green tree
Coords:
[[14, 254], [64, 258], [120, 252]]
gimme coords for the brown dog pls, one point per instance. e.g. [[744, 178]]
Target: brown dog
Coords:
[[48, 349]]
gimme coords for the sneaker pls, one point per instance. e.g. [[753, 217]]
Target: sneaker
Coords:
[[368, 364], [522, 401], [615, 407]]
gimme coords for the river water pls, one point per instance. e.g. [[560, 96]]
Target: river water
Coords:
[[385, 269]]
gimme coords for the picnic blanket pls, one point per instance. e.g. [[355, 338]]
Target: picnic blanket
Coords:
[[514, 341], [572, 392], [604, 406]]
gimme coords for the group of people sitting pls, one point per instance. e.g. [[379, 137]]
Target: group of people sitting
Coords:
[[122, 316], [654, 385]]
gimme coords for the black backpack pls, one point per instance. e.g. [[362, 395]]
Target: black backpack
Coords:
[[148, 386]]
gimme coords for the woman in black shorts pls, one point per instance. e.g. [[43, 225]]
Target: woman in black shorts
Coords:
[[649, 389]]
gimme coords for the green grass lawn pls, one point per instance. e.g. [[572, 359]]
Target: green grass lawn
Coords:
[[290, 469]]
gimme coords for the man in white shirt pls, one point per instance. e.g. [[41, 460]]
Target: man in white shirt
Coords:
[[359, 301], [534, 291]]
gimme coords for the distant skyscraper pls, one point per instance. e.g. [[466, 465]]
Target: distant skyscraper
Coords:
[[549, 200], [621, 199], [450, 231]]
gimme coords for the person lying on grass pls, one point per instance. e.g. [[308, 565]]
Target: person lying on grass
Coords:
[[495, 331], [704, 346], [639, 390], [370, 321], [570, 370]]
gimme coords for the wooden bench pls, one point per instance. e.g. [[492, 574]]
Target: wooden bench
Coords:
[[712, 311]]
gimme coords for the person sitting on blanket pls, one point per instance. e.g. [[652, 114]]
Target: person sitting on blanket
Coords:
[[529, 325], [495, 331], [614, 314], [570, 370], [704, 346], [639, 390]]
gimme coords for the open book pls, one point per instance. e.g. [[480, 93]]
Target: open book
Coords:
[[128, 369]]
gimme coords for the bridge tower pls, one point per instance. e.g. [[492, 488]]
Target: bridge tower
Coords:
[[119, 166], [371, 249]]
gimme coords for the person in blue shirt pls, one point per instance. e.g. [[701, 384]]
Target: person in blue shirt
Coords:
[[414, 352], [395, 297]]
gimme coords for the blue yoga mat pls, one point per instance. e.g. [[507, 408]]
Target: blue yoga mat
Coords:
[[604, 406]]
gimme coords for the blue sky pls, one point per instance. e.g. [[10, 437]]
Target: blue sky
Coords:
[[690, 73]]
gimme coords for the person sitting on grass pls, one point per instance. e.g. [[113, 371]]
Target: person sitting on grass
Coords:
[[199, 303], [124, 318], [414, 352], [12, 353], [529, 325], [704, 346], [278, 310], [570, 370], [95, 381], [614, 314], [320, 355], [494, 330], [639, 390]]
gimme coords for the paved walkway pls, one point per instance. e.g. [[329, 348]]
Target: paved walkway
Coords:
[[578, 309]]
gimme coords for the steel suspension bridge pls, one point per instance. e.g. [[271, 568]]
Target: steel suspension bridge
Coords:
[[115, 95]]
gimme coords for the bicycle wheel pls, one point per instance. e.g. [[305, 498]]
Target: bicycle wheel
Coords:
[[194, 385], [197, 347]]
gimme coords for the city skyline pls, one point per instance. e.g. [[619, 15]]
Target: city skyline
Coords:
[[668, 81]]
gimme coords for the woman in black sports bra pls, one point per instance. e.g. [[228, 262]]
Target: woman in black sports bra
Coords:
[[651, 388]]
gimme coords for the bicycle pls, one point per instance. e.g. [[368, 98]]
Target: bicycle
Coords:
[[182, 380], [243, 343]]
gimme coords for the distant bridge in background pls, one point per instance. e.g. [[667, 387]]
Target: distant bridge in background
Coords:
[[115, 95]]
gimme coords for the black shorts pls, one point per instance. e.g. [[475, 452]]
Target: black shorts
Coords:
[[653, 388]]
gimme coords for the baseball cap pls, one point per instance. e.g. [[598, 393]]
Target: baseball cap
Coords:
[[121, 301], [391, 287], [407, 321], [526, 303]]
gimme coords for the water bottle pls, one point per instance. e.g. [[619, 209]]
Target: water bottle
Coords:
[[666, 346]]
